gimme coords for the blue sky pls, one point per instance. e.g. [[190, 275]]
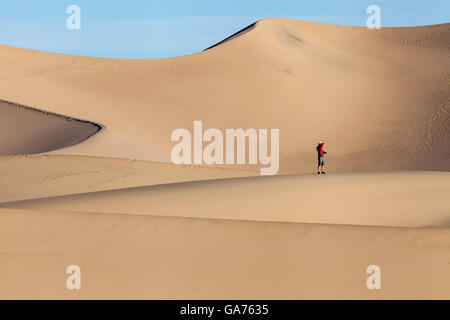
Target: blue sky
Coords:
[[167, 28]]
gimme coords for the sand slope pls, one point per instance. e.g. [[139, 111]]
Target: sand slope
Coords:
[[378, 98], [124, 256], [151, 229], [30, 177], [26, 131], [407, 199]]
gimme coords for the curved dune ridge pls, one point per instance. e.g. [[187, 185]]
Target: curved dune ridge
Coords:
[[141, 227], [25, 130], [402, 199], [378, 98]]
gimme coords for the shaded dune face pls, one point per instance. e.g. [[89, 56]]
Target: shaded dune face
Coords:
[[26, 130]]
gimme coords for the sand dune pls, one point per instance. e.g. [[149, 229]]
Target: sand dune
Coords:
[[30, 177], [407, 199], [379, 98], [111, 144], [123, 256], [140, 227], [24, 130]]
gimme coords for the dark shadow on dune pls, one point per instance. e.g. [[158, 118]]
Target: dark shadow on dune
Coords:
[[293, 39], [27, 130], [234, 35]]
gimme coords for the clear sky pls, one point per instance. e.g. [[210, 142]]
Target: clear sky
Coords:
[[166, 28]]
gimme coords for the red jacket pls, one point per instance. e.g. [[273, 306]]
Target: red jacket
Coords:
[[320, 151]]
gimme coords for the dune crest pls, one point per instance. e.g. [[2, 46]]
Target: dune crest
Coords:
[[140, 227], [25, 130], [390, 199], [378, 98]]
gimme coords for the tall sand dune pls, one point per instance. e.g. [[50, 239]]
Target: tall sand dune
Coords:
[[140, 227], [378, 98]]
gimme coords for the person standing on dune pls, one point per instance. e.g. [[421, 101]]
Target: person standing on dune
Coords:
[[320, 157]]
